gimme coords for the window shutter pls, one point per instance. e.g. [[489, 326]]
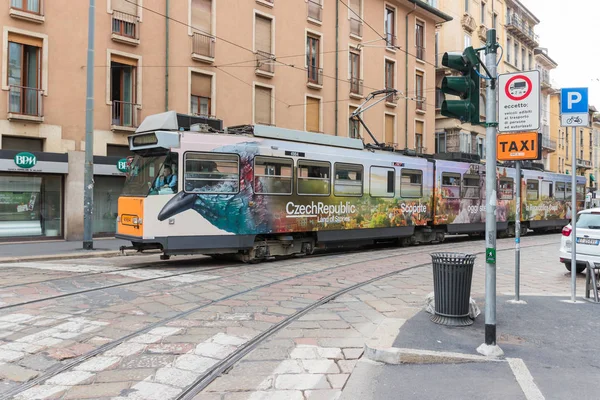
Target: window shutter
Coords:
[[123, 60], [128, 7], [419, 127], [201, 85], [313, 117], [263, 34], [355, 5], [202, 16], [262, 105], [389, 128], [24, 39]]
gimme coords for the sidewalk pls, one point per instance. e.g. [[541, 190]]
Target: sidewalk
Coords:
[[10, 252]]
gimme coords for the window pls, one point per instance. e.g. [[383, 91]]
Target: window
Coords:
[[203, 43], [355, 84], [200, 102], [419, 129], [495, 21], [22, 143], [439, 98], [117, 150], [263, 105], [560, 190], [32, 6], [390, 27], [312, 59], [437, 49], [389, 74], [382, 182], [24, 75], [467, 40], [123, 90], [470, 186], [516, 47], [314, 177], [482, 13], [313, 114], [348, 180], [481, 147], [450, 185], [411, 183], [440, 142], [465, 142], [262, 36], [353, 125], [523, 59], [547, 190], [580, 192], [419, 78], [567, 145], [124, 18], [467, 6], [390, 123], [506, 186], [508, 49], [420, 40], [273, 175], [533, 187], [212, 173]]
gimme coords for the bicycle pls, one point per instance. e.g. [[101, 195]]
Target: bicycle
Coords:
[[574, 119]]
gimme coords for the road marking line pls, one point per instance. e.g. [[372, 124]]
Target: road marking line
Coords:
[[521, 372]]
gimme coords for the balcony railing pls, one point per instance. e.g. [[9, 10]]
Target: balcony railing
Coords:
[[126, 25], [581, 163], [315, 10], [421, 103], [482, 32], [525, 32], [391, 41], [391, 98], [356, 27], [548, 143], [315, 75], [203, 46], [420, 53], [468, 22], [545, 76], [356, 86], [265, 62], [25, 101], [124, 114]]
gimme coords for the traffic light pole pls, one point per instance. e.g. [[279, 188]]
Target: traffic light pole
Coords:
[[88, 179], [489, 347]]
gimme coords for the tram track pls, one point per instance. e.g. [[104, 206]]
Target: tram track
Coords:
[[215, 371]]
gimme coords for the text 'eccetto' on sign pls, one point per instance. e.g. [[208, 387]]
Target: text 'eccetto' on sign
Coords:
[[518, 146]]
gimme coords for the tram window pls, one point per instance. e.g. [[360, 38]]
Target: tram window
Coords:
[[547, 190], [382, 182], [580, 192], [506, 189], [273, 175], [568, 192], [314, 177], [212, 173], [348, 180], [450, 185], [533, 189], [470, 186], [411, 183], [560, 191]]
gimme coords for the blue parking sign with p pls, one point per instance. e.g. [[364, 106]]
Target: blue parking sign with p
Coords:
[[573, 100]]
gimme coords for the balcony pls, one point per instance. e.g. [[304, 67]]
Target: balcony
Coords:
[[356, 28], [420, 53], [468, 23], [421, 103], [315, 11], [315, 77], [545, 79], [125, 28], [25, 104], [517, 26], [268, 3], [203, 47], [392, 99], [548, 144], [482, 33], [391, 41], [585, 164], [265, 64], [27, 11], [356, 87], [124, 116]]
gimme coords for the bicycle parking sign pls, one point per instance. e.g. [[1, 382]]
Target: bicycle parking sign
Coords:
[[574, 107]]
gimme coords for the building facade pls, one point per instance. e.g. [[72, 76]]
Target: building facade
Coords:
[[544, 64], [268, 62]]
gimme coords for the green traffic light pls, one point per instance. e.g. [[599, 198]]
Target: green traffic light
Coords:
[[465, 86]]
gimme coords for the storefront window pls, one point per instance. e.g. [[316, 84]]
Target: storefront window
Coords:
[[30, 206], [107, 190]]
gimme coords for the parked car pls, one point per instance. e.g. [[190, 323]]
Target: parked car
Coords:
[[588, 239]]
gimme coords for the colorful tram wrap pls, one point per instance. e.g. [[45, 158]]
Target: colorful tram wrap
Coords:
[[261, 191]]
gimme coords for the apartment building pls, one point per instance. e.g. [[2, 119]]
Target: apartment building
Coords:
[[273, 62], [544, 64]]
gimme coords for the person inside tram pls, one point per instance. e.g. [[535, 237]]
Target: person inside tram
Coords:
[[167, 180]]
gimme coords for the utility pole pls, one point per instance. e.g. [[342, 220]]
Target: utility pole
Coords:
[[88, 180], [518, 236]]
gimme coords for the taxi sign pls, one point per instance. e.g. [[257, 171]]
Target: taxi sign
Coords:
[[518, 146]]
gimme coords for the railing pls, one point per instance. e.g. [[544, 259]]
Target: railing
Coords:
[[265, 62], [315, 10], [392, 98], [203, 45], [420, 150], [581, 163], [420, 52], [548, 143], [421, 105], [124, 114], [545, 77], [125, 24], [482, 31], [315, 75], [25, 101], [468, 22], [514, 20], [391, 40], [356, 86], [356, 27]]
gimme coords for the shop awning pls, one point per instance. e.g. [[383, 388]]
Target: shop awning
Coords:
[[592, 178]]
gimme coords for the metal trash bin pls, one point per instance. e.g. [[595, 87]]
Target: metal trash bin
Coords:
[[452, 276]]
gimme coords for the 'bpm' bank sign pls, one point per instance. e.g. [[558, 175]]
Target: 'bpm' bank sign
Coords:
[[25, 160]]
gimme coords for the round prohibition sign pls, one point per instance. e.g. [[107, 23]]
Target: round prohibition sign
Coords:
[[511, 80]]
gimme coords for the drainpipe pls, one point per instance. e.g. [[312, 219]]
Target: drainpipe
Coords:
[[337, 56], [167, 56], [406, 81]]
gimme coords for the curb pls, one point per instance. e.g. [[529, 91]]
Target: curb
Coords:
[[68, 256], [395, 355]]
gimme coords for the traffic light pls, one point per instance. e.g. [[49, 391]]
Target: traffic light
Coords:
[[465, 86]]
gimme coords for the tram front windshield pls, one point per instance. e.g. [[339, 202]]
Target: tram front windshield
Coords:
[[152, 175]]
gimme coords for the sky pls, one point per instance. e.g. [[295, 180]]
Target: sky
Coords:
[[567, 30]]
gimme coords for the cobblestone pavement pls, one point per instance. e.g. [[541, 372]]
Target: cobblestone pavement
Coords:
[[162, 328]]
